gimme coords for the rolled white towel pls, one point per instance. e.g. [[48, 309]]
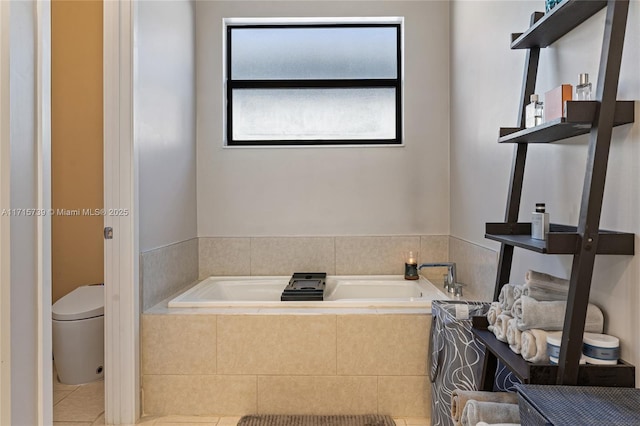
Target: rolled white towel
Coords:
[[545, 287], [549, 315], [534, 346], [497, 424], [489, 412], [494, 310], [509, 294], [514, 336], [531, 275], [460, 397], [499, 329]]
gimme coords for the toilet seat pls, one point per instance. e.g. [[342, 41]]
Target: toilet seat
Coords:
[[82, 303]]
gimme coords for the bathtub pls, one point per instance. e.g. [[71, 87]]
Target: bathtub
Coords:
[[349, 291], [229, 346]]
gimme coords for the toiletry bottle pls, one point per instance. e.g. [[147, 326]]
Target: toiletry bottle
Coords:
[[539, 222], [533, 112], [583, 90], [411, 266]]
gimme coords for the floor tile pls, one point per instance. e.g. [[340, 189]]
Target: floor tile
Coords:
[[417, 421], [399, 422], [85, 404], [72, 424], [99, 421], [228, 421], [59, 395], [166, 420]]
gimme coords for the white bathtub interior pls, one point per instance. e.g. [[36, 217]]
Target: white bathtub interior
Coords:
[[340, 291]]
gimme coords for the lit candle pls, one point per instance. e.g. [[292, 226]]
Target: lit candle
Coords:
[[412, 259]]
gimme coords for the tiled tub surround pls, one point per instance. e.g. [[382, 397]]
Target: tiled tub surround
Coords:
[[223, 362], [165, 270], [477, 267], [376, 255], [217, 362]]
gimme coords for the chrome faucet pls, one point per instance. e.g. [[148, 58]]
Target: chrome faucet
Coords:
[[450, 282]]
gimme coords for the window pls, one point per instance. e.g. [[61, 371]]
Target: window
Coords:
[[313, 84]]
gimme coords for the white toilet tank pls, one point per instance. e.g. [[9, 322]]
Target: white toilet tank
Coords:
[[78, 335]]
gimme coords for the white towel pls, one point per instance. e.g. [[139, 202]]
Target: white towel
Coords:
[[534, 346], [545, 287], [500, 327], [514, 336], [509, 294], [550, 315], [460, 397], [489, 412], [493, 312]]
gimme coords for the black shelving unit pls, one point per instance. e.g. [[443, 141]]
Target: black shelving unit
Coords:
[[586, 240]]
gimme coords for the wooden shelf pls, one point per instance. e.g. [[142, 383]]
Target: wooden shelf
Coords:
[[579, 115], [620, 375], [559, 21], [561, 239]]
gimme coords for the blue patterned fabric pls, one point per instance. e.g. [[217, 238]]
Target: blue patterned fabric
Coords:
[[456, 357], [550, 4]]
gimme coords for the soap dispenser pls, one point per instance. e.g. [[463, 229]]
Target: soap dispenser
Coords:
[[533, 112], [583, 89], [539, 222]]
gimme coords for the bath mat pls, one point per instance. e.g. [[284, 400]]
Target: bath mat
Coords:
[[295, 420]]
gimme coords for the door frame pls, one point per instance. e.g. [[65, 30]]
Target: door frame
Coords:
[[44, 364], [43, 224], [5, 224], [121, 254]]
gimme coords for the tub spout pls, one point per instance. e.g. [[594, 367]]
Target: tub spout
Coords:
[[450, 282]]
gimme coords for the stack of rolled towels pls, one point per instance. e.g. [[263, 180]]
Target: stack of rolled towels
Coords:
[[524, 314], [480, 408]]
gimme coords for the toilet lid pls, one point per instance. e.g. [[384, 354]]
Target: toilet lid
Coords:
[[82, 303]]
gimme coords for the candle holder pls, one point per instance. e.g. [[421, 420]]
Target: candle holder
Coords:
[[411, 266]]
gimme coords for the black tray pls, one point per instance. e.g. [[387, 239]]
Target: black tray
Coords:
[[305, 286]]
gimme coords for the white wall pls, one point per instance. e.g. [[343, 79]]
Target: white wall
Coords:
[[24, 265], [164, 121], [485, 97], [329, 191]]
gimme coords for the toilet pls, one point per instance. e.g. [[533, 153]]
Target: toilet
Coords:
[[78, 335]]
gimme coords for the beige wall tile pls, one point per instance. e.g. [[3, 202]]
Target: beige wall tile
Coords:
[[165, 270], [316, 395], [476, 266], [286, 255], [434, 248], [278, 344], [408, 396], [224, 256], [373, 255], [383, 344], [194, 395], [178, 344]]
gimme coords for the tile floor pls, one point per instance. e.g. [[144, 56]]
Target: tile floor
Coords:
[[78, 405], [83, 405]]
